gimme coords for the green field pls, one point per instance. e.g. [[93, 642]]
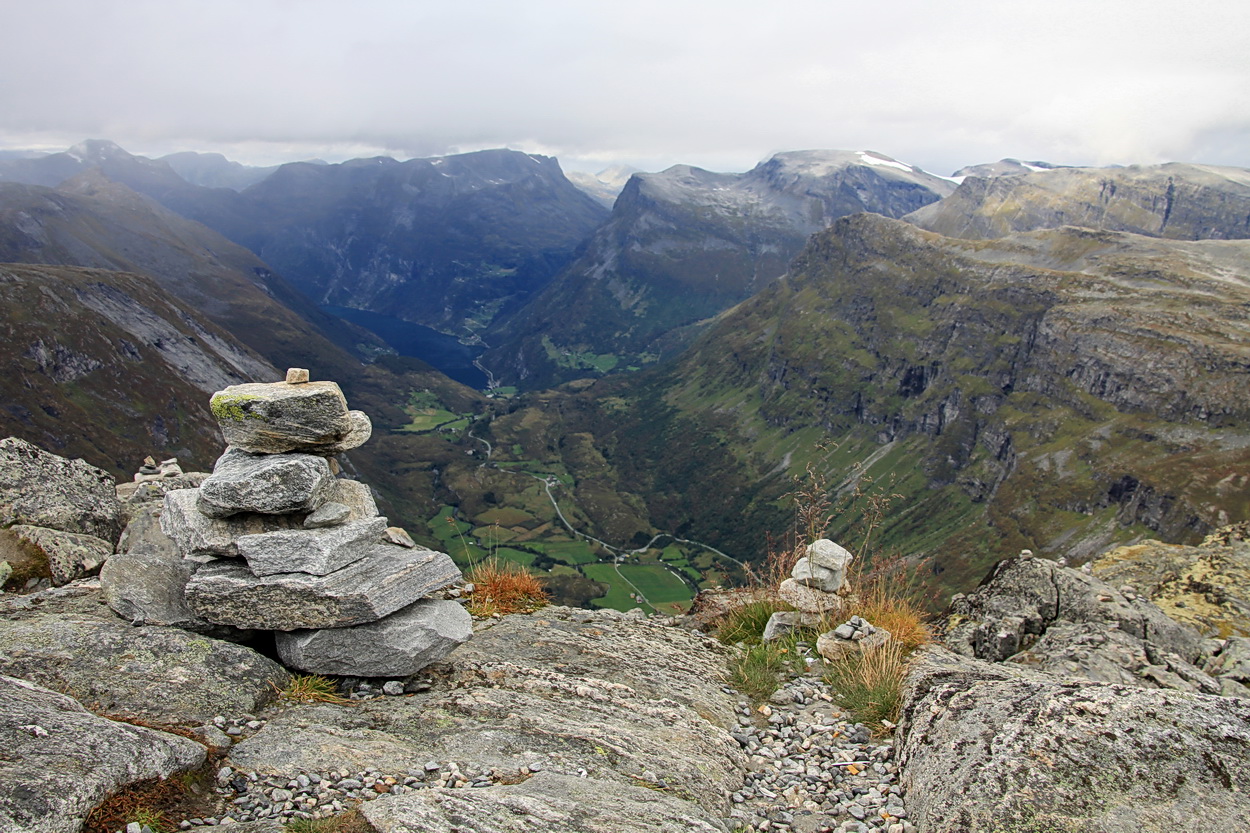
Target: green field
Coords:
[[516, 556], [665, 591], [504, 516], [570, 552], [493, 535], [617, 596]]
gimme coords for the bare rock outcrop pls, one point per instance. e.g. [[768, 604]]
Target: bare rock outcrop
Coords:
[[66, 638], [60, 760], [1036, 612], [554, 803], [1207, 586], [995, 747], [612, 700], [39, 488]]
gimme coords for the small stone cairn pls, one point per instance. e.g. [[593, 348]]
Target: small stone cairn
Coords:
[[286, 546], [818, 590], [855, 635]]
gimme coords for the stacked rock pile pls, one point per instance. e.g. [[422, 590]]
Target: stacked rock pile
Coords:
[[289, 547], [854, 635], [816, 588]]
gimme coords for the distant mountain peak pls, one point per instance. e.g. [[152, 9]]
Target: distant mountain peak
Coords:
[[94, 151]]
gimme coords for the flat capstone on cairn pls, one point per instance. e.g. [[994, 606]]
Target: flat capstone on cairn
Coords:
[[286, 546], [819, 592]]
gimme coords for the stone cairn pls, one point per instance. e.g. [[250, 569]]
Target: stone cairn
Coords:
[[286, 546], [818, 590]]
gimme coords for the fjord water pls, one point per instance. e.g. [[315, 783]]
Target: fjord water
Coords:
[[440, 350]]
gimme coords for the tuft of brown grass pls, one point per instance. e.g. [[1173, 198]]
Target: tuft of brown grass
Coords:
[[501, 587], [147, 802], [889, 597]]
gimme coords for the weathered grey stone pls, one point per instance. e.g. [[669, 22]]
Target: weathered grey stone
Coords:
[[984, 749], [382, 582], [397, 645], [814, 606], [271, 484], [135, 497], [832, 557], [356, 496], [1021, 598], [41, 489], [143, 532], [62, 556], [60, 760], [327, 515], [315, 551], [398, 536], [296, 375], [779, 624], [199, 536], [1093, 651], [359, 433], [811, 575], [1233, 660], [562, 690], [833, 647], [276, 418], [72, 642], [559, 803], [146, 587]]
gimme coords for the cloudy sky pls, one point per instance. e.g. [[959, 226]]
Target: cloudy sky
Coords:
[[717, 83]]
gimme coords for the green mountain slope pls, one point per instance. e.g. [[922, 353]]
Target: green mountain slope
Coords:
[[1059, 390]]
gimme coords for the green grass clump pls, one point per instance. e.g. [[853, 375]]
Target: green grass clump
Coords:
[[312, 688], [350, 822], [757, 670], [756, 666], [746, 623], [869, 685]]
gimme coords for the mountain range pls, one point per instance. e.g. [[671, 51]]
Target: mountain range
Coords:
[[1042, 357], [684, 245]]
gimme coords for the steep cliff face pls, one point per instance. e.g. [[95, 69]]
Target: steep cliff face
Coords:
[[92, 222], [1070, 387], [441, 242], [110, 367], [685, 244], [1176, 201]]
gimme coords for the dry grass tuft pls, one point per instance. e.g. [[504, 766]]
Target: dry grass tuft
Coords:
[[350, 822], [869, 685], [501, 587], [146, 802], [313, 688]]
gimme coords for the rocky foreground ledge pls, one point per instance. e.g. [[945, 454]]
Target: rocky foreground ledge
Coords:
[[1057, 702]]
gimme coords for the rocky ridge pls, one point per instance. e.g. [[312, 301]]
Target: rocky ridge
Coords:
[[685, 244], [1177, 201]]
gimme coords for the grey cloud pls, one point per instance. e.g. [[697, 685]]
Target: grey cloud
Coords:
[[715, 84]]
